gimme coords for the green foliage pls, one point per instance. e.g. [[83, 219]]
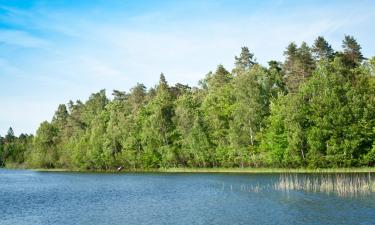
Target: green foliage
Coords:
[[298, 65], [45, 152], [245, 61], [274, 140], [352, 51], [317, 109], [14, 150], [322, 50], [251, 91]]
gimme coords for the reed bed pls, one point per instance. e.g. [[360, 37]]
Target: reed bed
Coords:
[[339, 184]]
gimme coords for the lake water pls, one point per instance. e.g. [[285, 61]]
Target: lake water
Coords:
[[28, 197]]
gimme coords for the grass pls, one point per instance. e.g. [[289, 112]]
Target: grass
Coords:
[[224, 170]]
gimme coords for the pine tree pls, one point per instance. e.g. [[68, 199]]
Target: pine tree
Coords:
[[352, 51], [322, 50], [245, 61], [298, 65]]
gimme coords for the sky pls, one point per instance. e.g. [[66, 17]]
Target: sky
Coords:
[[55, 51]]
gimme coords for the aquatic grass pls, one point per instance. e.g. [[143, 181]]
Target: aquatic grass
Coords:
[[339, 184]]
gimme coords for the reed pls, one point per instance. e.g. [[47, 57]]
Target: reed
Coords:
[[339, 184]]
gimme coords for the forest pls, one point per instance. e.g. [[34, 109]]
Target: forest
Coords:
[[316, 109]]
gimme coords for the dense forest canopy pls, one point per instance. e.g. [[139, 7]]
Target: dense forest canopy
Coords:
[[315, 109]]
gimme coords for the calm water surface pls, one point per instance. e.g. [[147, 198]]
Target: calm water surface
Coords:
[[28, 197]]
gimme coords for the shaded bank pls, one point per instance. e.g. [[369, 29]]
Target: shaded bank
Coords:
[[223, 170]]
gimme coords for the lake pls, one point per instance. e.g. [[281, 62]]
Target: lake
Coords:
[[28, 197]]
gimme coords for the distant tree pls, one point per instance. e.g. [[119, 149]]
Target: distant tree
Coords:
[[306, 61], [119, 95], [220, 78], [179, 89], [61, 116], [9, 147], [94, 106], [1, 151], [276, 82], [322, 50], [217, 110], [290, 67], [274, 142], [137, 95], [245, 61], [371, 66], [298, 65], [10, 135], [352, 51], [194, 144], [158, 128], [250, 106], [45, 142]]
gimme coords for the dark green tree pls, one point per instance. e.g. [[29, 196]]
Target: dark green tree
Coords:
[[298, 65], [352, 51], [158, 128], [322, 50], [1, 151], [45, 153], [245, 61]]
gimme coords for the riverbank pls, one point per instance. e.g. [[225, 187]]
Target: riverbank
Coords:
[[222, 170]]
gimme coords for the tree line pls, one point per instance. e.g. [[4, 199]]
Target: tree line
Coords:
[[315, 109]]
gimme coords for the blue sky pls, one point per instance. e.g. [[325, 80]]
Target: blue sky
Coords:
[[54, 51]]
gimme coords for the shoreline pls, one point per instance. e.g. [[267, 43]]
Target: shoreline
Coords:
[[216, 170]]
